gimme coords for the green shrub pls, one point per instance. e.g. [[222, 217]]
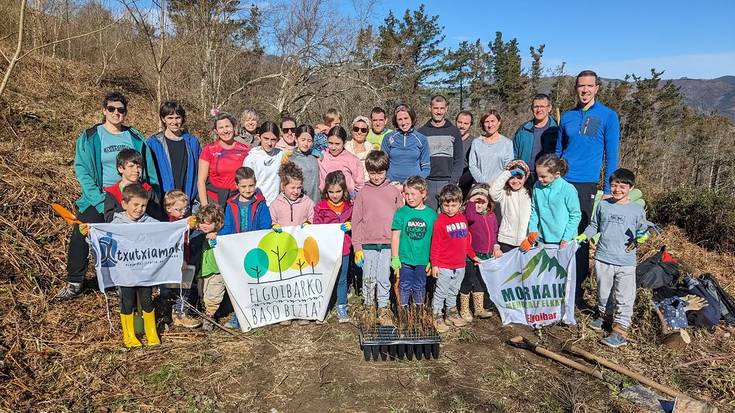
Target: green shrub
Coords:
[[707, 217]]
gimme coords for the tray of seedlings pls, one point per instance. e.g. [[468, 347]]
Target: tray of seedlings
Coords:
[[412, 335]]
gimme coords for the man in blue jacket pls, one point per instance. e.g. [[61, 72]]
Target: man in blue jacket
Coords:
[[538, 136], [589, 135], [176, 152], [95, 167]]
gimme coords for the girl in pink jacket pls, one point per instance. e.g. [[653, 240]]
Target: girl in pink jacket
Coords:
[[291, 207], [335, 208], [338, 159]]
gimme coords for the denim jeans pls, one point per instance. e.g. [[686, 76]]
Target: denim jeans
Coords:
[[342, 281], [412, 283]]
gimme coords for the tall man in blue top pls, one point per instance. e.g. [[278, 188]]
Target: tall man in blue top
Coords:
[[589, 135], [445, 149]]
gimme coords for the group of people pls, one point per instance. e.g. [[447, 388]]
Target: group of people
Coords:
[[420, 206]]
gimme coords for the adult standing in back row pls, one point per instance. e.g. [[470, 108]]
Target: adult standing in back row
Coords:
[[588, 135], [538, 136], [445, 149]]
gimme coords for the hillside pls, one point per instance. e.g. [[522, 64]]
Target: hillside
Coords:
[[709, 95]]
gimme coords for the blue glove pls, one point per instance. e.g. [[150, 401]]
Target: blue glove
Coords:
[[346, 227], [212, 242], [517, 172], [277, 228]]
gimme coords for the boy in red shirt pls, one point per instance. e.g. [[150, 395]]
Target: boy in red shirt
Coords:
[[450, 245]]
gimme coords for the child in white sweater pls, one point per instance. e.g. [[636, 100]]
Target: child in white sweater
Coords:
[[510, 190]]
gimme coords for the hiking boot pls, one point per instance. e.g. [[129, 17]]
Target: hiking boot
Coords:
[[597, 323], [385, 317], [303, 322], [614, 340], [183, 320], [234, 323], [342, 315], [71, 291], [478, 301], [464, 307], [440, 325], [207, 325], [454, 319]]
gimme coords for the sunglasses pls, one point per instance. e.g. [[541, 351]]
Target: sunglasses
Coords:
[[361, 130], [288, 130], [120, 110], [181, 210]]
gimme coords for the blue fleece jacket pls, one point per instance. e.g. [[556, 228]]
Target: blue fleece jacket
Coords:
[[163, 163], [585, 136], [408, 153], [523, 140], [258, 215], [555, 212]]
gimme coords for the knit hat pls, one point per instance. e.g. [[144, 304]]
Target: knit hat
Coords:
[[479, 189], [518, 164]]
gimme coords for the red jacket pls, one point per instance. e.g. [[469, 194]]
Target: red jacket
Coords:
[[113, 201], [451, 242], [324, 215]]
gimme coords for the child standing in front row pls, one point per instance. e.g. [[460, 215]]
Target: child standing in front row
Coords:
[[511, 191], [210, 219], [291, 207], [371, 233], [622, 225], [483, 227], [335, 208], [410, 244], [450, 246], [555, 212], [246, 211]]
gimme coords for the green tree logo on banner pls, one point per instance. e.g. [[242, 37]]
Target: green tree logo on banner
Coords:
[[539, 263], [256, 263], [281, 249]]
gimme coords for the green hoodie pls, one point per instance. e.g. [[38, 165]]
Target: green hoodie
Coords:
[[88, 167]]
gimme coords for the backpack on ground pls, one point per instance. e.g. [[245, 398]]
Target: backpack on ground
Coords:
[[659, 270]]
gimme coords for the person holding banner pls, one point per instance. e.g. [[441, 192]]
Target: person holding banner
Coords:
[[511, 190], [95, 168], [335, 208], [219, 161], [555, 210], [134, 203], [210, 219]]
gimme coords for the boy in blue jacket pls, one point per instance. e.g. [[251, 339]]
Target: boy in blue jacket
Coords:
[[246, 211]]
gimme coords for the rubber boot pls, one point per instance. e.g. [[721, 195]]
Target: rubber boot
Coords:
[[464, 307], [478, 299], [128, 330], [149, 324]]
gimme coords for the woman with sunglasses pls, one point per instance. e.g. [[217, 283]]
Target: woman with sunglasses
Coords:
[[359, 146], [287, 142], [95, 167], [337, 158]]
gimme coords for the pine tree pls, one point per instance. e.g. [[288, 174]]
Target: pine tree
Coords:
[[508, 79]]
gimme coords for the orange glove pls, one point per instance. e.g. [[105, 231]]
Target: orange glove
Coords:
[[529, 242]]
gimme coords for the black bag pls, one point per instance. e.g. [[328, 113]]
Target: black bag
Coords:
[[653, 273], [708, 316], [725, 302]]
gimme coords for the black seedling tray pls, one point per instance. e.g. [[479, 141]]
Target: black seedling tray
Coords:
[[388, 342]]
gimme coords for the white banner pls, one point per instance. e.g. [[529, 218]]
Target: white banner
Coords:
[[144, 254], [535, 288], [273, 277]]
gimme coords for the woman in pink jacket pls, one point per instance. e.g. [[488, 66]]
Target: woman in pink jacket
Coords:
[[338, 159]]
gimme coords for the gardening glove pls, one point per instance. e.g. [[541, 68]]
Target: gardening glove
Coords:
[[395, 263], [212, 242], [304, 225], [84, 229], [581, 238], [429, 268], [359, 258], [641, 236], [277, 228], [192, 222], [346, 227], [529, 242], [694, 302], [517, 172]]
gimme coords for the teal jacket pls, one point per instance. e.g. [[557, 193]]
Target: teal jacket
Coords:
[[88, 167], [555, 212], [523, 141]]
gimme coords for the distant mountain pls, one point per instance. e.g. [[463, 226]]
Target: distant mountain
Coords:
[[709, 95]]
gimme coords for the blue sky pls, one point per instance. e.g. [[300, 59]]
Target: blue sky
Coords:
[[694, 39]]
